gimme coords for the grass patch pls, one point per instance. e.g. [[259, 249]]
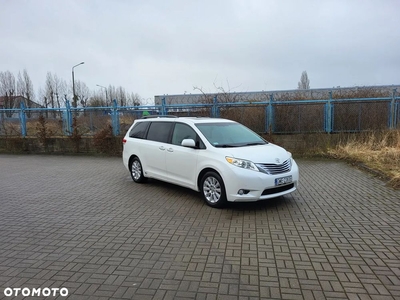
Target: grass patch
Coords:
[[379, 151]]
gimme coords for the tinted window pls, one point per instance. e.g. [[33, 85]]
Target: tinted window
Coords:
[[181, 132], [160, 131], [139, 130]]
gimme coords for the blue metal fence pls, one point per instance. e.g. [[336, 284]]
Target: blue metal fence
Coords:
[[298, 116]]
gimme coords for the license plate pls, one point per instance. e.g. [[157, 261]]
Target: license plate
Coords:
[[283, 180]]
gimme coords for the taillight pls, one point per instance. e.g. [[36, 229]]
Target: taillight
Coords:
[[123, 141]]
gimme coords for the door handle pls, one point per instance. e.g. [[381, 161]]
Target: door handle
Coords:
[[170, 150], [161, 148]]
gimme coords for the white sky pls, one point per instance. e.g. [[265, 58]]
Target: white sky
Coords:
[[169, 46]]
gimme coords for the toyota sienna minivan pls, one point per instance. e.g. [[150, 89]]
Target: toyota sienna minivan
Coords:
[[221, 159]]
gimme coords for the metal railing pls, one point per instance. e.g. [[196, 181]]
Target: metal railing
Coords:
[[280, 117]]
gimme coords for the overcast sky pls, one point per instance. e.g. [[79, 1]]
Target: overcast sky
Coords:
[[169, 47]]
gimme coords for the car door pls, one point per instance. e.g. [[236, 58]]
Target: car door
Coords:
[[181, 161], [154, 150]]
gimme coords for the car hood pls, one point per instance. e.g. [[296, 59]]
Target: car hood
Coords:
[[268, 153]]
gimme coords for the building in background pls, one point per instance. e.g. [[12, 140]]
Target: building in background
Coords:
[[14, 102], [281, 95]]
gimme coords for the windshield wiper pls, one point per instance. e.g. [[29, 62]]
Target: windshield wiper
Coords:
[[226, 145], [238, 145], [254, 144]]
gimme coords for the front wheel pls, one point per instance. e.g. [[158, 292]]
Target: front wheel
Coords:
[[213, 189], [137, 171]]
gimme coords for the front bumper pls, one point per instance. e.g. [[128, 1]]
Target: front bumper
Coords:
[[256, 183]]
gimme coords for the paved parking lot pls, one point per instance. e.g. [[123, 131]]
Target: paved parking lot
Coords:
[[82, 224]]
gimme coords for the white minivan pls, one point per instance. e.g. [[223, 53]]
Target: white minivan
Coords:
[[220, 158]]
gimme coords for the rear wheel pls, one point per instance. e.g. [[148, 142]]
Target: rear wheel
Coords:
[[137, 171], [213, 189]]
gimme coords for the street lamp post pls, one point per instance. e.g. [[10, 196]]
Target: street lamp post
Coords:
[[74, 102], [103, 87]]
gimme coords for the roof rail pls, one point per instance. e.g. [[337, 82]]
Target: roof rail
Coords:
[[159, 116]]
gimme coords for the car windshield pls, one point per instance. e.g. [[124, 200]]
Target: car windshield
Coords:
[[229, 135]]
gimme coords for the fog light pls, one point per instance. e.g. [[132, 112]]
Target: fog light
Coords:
[[243, 192]]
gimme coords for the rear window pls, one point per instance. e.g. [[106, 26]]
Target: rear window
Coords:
[[139, 130]]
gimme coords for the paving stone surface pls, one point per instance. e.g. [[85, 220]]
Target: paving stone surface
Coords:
[[83, 224]]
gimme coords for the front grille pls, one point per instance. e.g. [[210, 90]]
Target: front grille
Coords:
[[276, 169], [277, 189]]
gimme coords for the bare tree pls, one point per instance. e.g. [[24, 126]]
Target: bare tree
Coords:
[[112, 93], [56, 91], [82, 93], [25, 89], [121, 96], [223, 95], [49, 90], [205, 97], [60, 88], [41, 97], [96, 100], [124, 99], [29, 91], [304, 83], [55, 88], [7, 83], [7, 90], [118, 94], [134, 99]]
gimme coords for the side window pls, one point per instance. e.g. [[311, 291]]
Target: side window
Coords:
[[139, 130], [160, 131], [201, 144], [181, 132]]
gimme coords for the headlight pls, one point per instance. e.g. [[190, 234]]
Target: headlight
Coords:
[[241, 163], [290, 158]]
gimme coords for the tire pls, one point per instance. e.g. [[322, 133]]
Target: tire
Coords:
[[137, 171], [213, 189]]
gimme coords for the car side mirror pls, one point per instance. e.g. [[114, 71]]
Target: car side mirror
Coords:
[[188, 143]]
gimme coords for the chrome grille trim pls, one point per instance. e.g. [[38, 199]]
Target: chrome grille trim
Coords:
[[273, 169]]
